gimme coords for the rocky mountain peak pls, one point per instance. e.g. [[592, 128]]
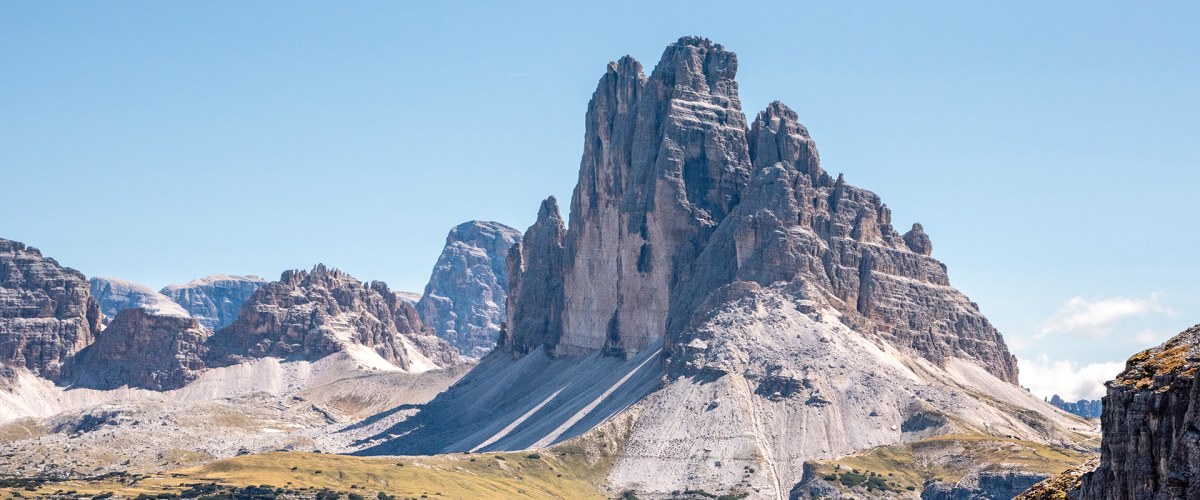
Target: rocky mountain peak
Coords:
[[917, 240], [678, 199], [47, 313], [777, 136], [115, 295], [535, 294], [698, 67], [214, 301], [312, 314], [464, 301], [141, 348]]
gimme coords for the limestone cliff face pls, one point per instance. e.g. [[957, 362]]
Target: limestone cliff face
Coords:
[[46, 311], [464, 301], [1087, 408], [215, 301], [1151, 425], [311, 314], [681, 206], [141, 349], [535, 294], [115, 295]]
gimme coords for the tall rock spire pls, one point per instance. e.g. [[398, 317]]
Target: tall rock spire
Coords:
[[665, 158]]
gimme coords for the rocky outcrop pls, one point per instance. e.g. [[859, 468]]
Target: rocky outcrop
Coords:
[[1086, 408], [215, 301], [741, 311], [464, 301], [987, 485], [681, 205], [312, 314], [1151, 425], [115, 295], [141, 349], [535, 297], [46, 311]]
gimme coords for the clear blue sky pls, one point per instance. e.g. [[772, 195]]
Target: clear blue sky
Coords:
[[1051, 149]]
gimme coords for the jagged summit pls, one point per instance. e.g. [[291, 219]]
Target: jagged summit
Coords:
[[312, 314], [679, 198], [720, 299]]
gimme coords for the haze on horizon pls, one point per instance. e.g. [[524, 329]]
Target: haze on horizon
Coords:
[[1049, 150]]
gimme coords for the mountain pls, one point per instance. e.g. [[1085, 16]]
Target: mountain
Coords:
[[115, 295], [464, 300], [729, 317], [214, 301], [312, 314], [1086, 408], [47, 313], [142, 348], [320, 363]]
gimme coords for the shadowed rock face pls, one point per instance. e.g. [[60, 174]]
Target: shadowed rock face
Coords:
[[464, 301], [1151, 424], [680, 204], [215, 301], [141, 349], [311, 314], [46, 311]]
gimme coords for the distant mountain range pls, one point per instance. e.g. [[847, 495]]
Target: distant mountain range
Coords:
[[1086, 408]]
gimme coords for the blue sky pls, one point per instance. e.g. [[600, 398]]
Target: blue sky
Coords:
[[1050, 148]]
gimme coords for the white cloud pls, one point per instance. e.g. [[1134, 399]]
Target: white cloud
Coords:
[[1068, 379], [1093, 318], [1149, 338]]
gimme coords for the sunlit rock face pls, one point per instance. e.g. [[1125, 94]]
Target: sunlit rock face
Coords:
[[215, 301], [464, 301], [312, 314], [47, 313], [681, 202], [141, 348]]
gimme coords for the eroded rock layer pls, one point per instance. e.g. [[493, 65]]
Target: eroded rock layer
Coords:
[[1151, 425], [141, 349], [46, 311]]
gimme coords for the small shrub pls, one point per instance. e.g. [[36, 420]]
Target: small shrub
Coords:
[[533, 456]]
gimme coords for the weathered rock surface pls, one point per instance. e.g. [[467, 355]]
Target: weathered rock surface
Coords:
[[140, 348], [535, 296], [115, 295], [215, 301], [1151, 426], [46, 311], [464, 301], [680, 204], [1086, 408], [749, 312], [312, 314]]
